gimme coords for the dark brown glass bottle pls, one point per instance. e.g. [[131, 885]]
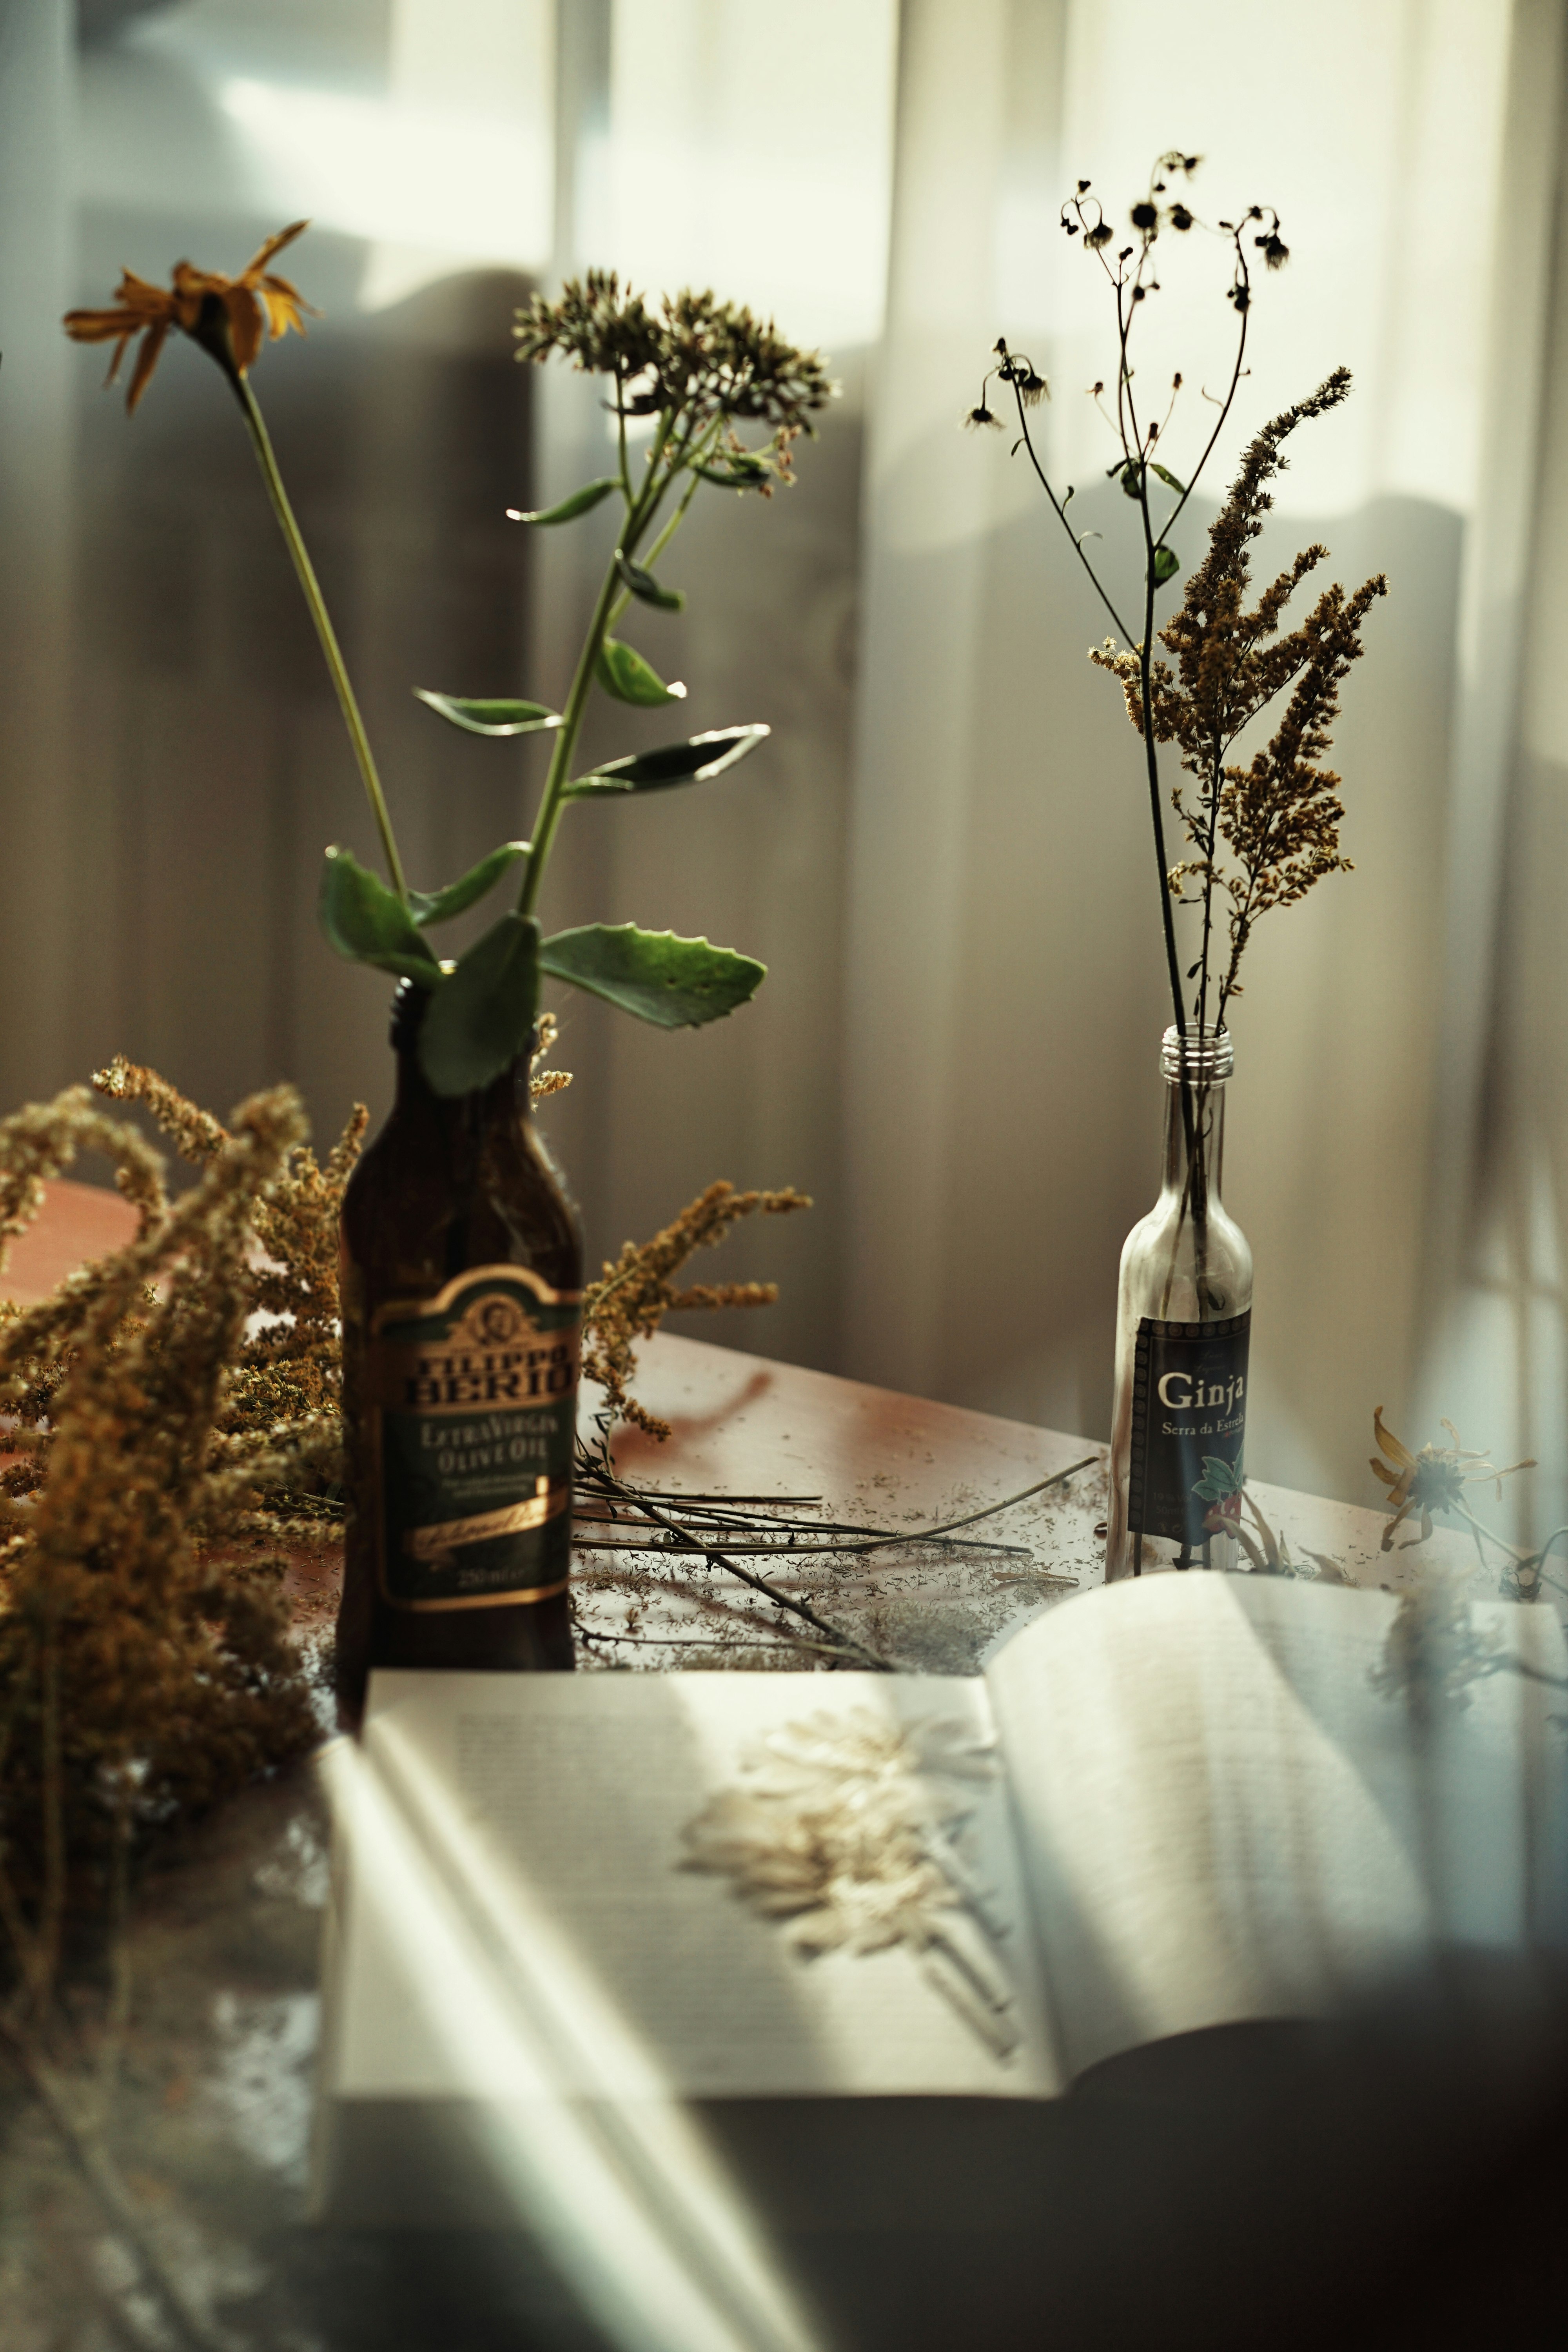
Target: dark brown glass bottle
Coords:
[[462, 1273]]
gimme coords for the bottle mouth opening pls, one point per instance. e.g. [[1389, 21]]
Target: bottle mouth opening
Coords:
[[1210, 1056]]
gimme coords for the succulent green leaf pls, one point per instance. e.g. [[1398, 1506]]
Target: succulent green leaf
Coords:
[[674, 983], [429, 907], [1167, 563], [623, 672], [481, 1016], [691, 762], [643, 586], [581, 502], [1168, 478], [490, 718], [368, 923]]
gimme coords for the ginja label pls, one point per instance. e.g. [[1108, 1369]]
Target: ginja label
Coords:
[[1189, 1426]]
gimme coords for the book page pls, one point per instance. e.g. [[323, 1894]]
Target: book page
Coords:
[[520, 1915], [1231, 1806]]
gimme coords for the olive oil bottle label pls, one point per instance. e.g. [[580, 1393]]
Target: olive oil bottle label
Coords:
[[1189, 1421], [473, 1398]]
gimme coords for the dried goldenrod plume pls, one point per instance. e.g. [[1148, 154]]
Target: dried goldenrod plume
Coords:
[[632, 1297], [1265, 831], [145, 1664]]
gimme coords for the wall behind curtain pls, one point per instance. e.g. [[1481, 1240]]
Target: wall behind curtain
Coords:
[[942, 852]]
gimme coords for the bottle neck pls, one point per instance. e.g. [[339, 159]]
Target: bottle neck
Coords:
[[460, 1117], [1194, 1139]]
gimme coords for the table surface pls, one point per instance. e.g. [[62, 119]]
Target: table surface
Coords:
[[207, 2108]]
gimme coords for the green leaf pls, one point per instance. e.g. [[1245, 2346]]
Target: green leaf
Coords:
[[691, 762], [743, 472], [487, 718], [675, 983], [581, 502], [1168, 478], [481, 1016], [645, 586], [1131, 476], [623, 672], [368, 923], [1167, 563], [440, 906]]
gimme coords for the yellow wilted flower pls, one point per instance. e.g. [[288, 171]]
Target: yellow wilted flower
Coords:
[[229, 317], [1432, 1480]]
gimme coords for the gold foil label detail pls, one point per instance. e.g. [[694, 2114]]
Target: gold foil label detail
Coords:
[[495, 1359], [428, 1544]]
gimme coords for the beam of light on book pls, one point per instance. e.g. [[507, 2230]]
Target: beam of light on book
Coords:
[[627, 2199]]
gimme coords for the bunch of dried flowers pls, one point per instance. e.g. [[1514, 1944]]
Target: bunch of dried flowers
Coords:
[[1263, 831], [145, 1662]]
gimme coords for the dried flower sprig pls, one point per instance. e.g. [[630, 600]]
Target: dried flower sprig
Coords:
[[1279, 815], [632, 1297], [699, 368], [1278, 818]]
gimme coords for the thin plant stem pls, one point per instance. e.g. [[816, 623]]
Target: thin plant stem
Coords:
[[640, 511], [183, 2322], [663, 464], [52, 1914], [336, 666], [1098, 584]]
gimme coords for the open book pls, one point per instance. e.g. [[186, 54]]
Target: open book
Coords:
[[1175, 1803]]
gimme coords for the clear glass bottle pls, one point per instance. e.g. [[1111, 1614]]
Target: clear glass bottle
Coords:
[[1183, 1324], [461, 1287]]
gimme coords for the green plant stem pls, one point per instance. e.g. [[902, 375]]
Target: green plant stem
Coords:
[[610, 603], [553, 803], [336, 666]]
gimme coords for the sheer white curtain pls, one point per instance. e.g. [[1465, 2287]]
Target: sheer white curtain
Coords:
[[1398, 1044]]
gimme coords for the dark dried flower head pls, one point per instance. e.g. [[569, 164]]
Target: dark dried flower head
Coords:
[[1016, 369], [979, 417], [1180, 217], [1102, 233], [692, 355], [1145, 216]]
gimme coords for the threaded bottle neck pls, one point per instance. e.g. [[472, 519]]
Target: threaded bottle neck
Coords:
[[1210, 1057]]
